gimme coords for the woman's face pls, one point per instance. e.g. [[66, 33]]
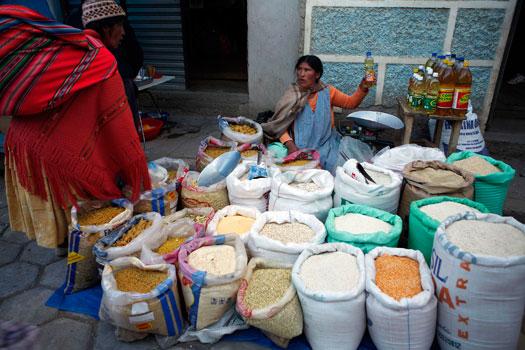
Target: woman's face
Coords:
[[306, 76], [113, 36]]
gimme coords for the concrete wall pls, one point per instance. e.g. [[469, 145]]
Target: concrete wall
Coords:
[[274, 40], [403, 33]]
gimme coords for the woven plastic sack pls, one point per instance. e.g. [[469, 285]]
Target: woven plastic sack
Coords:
[[481, 297], [309, 158], [409, 323], [203, 159], [249, 193], [269, 249], [177, 169], [183, 230], [351, 188], [155, 312], [202, 215], [195, 196], [228, 134], [490, 189], [369, 241], [284, 319], [397, 158], [335, 320], [283, 196], [104, 250], [419, 186], [230, 211], [249, 152], [209, 297], [421, 227]]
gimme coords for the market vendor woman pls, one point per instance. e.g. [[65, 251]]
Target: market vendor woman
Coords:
[[304, 116]]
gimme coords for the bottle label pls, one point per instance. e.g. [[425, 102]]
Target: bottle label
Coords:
[[417, 101], [429, 103], [370, 75], [445, 98], [461, 97]]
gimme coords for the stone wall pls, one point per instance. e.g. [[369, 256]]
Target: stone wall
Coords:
[[403, 33]]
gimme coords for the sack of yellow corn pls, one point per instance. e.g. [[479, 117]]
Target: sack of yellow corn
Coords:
[[166, 248]]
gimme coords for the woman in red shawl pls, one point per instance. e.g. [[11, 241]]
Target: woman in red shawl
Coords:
[[72, 135]]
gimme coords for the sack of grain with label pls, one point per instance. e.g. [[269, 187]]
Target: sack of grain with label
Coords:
[[363, 227], [198, 217], [128, 239], [245, 192], [282, 235], [240, 129], [209, 149], [268, 300], [492, 178], [330, 283], [234, 219], [166, 248], [210, 272], [300, 160], [141, 298], [351, 187], [400, 304], [195, 196], [90, 222], [427, 214], [433, 178], [310, 191], [478, 266]]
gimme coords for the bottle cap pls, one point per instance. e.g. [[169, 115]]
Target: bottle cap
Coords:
[[434, 54], [369, 53], [460, 59], [441, 57], [453, 55], [435, 74], [422, 67], [429, 70]]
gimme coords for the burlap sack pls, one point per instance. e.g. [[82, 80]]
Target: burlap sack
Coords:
[[423, 181]]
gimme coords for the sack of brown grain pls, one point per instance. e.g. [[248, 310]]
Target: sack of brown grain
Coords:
[[195, 196]]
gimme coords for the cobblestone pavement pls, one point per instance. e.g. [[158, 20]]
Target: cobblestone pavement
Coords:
[[29, 274]]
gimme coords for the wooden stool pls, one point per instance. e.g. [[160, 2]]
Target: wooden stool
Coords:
[[409, 114]]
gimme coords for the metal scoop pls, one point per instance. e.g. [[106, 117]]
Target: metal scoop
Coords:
[[219, 168]]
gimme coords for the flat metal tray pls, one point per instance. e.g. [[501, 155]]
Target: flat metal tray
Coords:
[[375, 120]]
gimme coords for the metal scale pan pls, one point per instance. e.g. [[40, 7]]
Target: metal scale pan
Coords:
[[374, 120]]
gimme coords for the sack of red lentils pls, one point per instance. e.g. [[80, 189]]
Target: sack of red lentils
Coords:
[[400, 305]]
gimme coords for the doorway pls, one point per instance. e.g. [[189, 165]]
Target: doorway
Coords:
[[215, 36]]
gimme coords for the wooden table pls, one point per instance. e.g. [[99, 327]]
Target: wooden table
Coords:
[[409, 114]]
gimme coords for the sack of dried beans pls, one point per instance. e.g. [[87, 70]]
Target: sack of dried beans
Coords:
[[141, 298], [198, 217], [282, 235], [129, 239], [268, 300], [209, 149], [166, 248], [210, 272], [90, 222], [400, 305]]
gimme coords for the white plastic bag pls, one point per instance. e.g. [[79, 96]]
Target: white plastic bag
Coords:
[[155, 312], [350, 188], [332, 320], [409, 323], [286, 197], [158, 174], [481, 297], [181, 229], [350, 147], [238, 137], [270, 249], [230, 211], [396, 158], [249, 193]]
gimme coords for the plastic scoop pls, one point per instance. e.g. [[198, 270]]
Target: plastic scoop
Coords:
[[219, 168]]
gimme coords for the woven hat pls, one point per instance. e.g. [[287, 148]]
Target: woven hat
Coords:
[[95, 10]]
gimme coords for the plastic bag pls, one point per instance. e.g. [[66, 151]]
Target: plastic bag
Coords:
[[397, 158], [249, 193], [202, 215], [203, 159], [352, 148], [249, 152], [229, 134], [158, 174]]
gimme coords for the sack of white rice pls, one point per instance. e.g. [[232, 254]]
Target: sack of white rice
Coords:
[[427, 214], [209, 149], [363, 226], [129, 238], [397, 158], [166, 248], [90, 222], [141, 298], [310, 190], [195, 196], [282, 235], [330, 283], [268, 300], [233, 219], [240, 129], [433, 178], [210, 272], [198, 217], [478, 265], [245, 192], [400, 303], [351, 187], [492, 178]]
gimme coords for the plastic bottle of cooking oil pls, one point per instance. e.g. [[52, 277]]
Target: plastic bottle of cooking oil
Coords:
[[410, 86], [439, 64], [418, 93], [431, 61], [369, 67], [458, 64], [462, 90], [447, 83], [431, 94]]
